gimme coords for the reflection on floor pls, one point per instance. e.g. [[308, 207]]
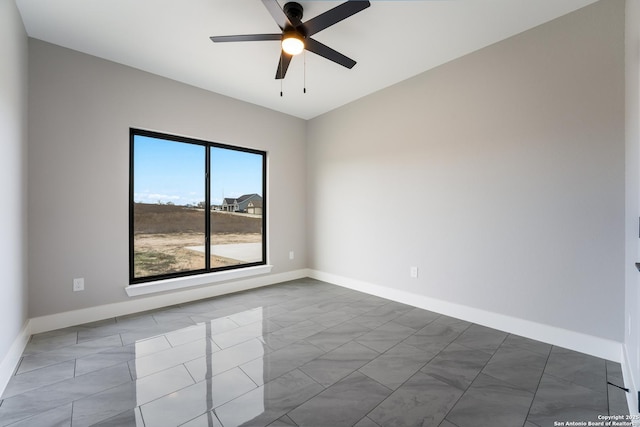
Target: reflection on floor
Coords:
[[302, 353]]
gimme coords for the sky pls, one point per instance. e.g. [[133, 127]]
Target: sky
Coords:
[[168, 171]]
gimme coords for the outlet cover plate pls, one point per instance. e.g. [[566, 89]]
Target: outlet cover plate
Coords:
[[78, 285]]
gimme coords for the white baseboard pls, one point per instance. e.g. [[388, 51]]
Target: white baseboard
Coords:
[[595, 346], [86, 315], [12, 358]]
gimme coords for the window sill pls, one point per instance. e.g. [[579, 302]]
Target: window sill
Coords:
[[190, 281]]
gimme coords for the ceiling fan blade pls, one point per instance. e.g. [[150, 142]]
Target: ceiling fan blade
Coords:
[[283, 65], [335, 15], [246, 38], [279, 16], [325, 51]]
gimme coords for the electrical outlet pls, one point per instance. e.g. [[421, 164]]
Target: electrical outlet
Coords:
[[413, 272], [78, 284], [291, 255]]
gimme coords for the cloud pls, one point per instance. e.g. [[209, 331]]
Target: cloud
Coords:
[[163, 196], [178, 199]]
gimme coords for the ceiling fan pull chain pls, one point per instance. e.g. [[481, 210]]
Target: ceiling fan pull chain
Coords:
[[304, 57], [281, 76]]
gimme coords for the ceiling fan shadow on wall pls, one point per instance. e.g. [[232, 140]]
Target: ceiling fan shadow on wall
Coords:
[[296, 35]]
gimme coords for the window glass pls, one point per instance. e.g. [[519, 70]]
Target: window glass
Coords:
[[237, 207], [175, 181]]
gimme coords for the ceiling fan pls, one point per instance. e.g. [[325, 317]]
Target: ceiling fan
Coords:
[[296, 35]]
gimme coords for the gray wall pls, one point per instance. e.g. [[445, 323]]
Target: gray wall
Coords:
[[500, 175], [632, 156], [13, 140], [81, 111]]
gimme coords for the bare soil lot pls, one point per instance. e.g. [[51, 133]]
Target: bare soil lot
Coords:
[[165, 219], [162, 233]]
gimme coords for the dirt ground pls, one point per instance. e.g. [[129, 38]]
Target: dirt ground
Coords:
[[162, 233], [166, 253], [168, 219]]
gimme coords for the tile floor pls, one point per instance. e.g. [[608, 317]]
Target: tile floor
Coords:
[[302, 353]]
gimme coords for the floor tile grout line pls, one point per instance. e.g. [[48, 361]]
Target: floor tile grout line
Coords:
[[33, 371], [511, 383], [450, 422], [45, 385], [606, 370], [606, 379], [474, 378], [84, 396], [403, 383], [461, 395], [264, 385], [323, 389], [217, 417], [141, 415], [574, 383], [153, 400], [131, 371], [190, 374], [319, 392], [17, 368], [544, 369], [183, 363], [248, 376], [370, 419], [195, 417], [471, 348], [44, 353]]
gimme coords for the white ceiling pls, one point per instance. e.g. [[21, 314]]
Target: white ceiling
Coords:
[[391, 41]]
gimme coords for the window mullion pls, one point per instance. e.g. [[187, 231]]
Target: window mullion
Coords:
[[207, 208]]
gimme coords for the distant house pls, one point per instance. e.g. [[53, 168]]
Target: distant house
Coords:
[[241, 204], [230, 205], [255, 207]]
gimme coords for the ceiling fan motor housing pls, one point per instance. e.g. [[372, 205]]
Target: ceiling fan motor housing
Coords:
[[293, 10]]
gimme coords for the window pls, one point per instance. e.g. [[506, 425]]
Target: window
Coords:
[[194, 207]]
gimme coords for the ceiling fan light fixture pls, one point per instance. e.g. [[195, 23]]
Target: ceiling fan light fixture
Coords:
[[292, 43]]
